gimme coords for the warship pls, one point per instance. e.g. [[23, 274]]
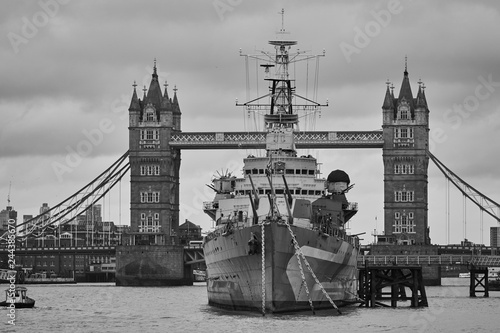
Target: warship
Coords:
[[279, 241]]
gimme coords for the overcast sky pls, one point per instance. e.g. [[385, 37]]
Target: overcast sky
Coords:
[[67, 66]]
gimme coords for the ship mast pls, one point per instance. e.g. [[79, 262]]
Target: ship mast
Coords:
[[281, 118]]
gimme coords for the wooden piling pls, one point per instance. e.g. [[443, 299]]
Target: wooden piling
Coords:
[[477, 281], [373, 280]]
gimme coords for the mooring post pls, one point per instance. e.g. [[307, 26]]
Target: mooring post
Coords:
[[394, 290], [373, 290], [414, 288], [472, 282], [421, 287], [476, 281]]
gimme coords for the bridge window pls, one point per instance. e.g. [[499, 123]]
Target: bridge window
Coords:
[[404, 169], [289, 171], [150, 196], [403, 196], [311, 172], [150, 223], [403, 113], [150, 116], [150, 170], [403, 133], [150, 134]]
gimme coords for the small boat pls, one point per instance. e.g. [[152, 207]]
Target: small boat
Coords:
[[199, 275], [494, 281], [18, 298]]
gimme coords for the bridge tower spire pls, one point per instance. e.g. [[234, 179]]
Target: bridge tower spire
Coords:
[[406, 137], [154, 166]]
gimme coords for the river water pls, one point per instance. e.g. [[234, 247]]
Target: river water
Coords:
[[107, 308]]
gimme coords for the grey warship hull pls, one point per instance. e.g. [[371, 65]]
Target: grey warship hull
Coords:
[[234, 269]]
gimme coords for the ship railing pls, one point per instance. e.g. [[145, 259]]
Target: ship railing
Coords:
[[339, 233], [442, 259], [210, 205]]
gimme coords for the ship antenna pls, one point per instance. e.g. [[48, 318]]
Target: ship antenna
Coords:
[[282, 19]]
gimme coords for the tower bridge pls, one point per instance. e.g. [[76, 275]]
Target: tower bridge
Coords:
[[156, 142]]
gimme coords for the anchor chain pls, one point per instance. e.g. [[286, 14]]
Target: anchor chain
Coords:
[[298, 252], [263, 259], [304, 282]]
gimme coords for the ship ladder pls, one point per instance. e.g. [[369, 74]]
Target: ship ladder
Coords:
[[299, 252]]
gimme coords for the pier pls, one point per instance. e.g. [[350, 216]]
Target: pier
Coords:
[[373, 279]]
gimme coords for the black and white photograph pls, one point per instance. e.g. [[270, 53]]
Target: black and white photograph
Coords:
[[240, 166]]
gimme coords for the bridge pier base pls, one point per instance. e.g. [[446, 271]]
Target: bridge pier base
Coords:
[[478, 279], [373, 280]]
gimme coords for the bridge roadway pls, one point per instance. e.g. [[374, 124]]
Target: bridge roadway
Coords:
[[257, 140], [433, 260]]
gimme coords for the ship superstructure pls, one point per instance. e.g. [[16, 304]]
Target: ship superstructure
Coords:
[[279, 242]]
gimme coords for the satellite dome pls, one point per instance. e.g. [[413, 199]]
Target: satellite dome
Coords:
[[338, 176]]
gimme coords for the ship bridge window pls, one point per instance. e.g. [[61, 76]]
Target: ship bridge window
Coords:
[[280, 191], [304, 192], [247, 172], [268, 191], [255, 171], [261, 191], [289, 171], [261, 171], [304, 171], [297, 171], [311, 172], [318, 192], [311, 192]]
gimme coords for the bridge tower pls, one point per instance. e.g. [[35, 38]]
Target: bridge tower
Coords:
[[406, 138], [154, 166]]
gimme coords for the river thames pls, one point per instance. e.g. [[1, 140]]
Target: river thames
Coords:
[[107, 308]]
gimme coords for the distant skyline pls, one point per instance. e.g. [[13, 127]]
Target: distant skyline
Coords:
[[68, 69]]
